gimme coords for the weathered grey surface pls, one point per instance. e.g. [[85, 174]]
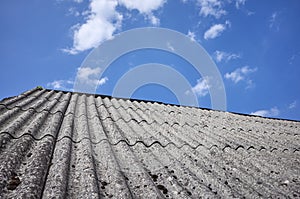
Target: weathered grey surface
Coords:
[[68, 145]]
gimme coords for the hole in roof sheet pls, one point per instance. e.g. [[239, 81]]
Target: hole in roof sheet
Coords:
[[13, 182], [162, 188]]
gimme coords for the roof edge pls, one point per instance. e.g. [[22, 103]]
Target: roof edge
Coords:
[[146, 101]]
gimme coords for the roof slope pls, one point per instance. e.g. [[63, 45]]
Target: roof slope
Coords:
[[70, 145]]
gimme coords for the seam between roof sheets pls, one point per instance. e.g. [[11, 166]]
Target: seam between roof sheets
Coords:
[[54, 145], [152, 143]]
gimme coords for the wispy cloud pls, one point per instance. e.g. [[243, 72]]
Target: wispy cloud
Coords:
[[239, 3], [216, 30], [73, 12], [89, 76], [293, 58], [274, 22], [293, 105], [211, 8], [191, 35], [61, 84], [267, 113], [201, 89], [240, 74], [224, 56]]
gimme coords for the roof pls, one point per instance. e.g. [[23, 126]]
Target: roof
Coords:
[[73, 145]]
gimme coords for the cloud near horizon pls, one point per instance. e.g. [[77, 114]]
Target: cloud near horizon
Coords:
[[89, 76], [267, 113], [201, 88]]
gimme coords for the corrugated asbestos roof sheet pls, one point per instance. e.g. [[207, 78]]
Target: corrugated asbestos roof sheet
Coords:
[[57, 144]]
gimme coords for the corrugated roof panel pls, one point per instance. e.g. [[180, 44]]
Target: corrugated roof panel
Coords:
[[72, 145]]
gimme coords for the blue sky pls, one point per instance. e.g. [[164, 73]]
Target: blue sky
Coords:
[[255, 45]]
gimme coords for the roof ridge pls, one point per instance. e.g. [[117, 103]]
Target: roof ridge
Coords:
[[163, 103]]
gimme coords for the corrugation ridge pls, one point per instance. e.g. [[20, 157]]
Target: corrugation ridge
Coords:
[[115, 113], [201, 177], [93, 163], [214, 138], [31, 165], [295, 149], [258, 123], [242, 136], [11, 164], [30, 99], [36, 121], [27, 117], [252, 169], [239, 168], [212, 177], [114, 154], [250, 166], [55, 141], [31, 108], [58, 174], [176, 186], [247, 136], [19, 97], [154, 118]]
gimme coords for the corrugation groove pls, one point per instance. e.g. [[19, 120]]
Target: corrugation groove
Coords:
[[105, 147]]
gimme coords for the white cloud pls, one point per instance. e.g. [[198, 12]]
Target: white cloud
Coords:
[[202, 87], [154, 20], [293, 105], [239, 74], [191, 35], [294, 57], [274, 21], [78, 1], [239, 3], [60, 84], [250, 13], [250, 84], [102, 81], [89, 76], [211, 7], [224, 56], [102, 21], [214, 31], [145, 7], [267, 113], [72, 11]]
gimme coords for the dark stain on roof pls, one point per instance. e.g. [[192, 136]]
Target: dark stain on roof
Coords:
[[56, 144]]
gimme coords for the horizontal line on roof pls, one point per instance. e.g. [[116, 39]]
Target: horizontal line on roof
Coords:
[[151, 144]]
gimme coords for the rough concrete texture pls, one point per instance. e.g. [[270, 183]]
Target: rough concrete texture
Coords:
[[56, 144]]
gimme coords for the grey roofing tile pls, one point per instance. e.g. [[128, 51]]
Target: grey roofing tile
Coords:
[[73, 145]]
